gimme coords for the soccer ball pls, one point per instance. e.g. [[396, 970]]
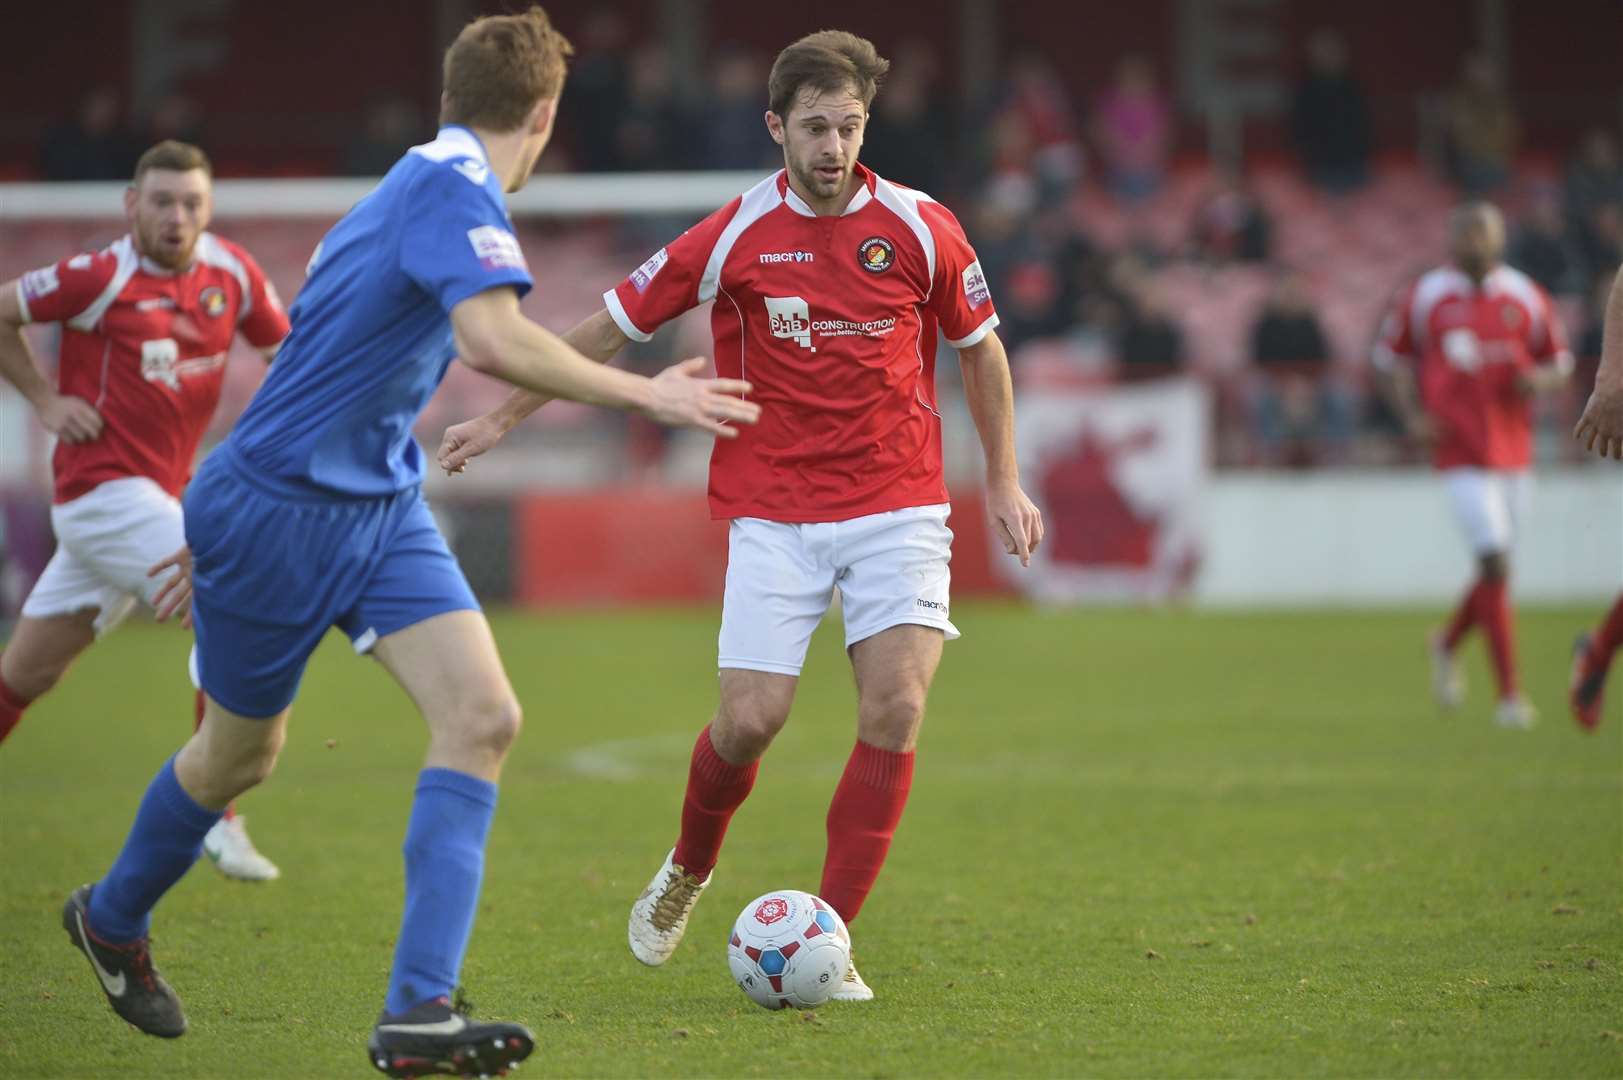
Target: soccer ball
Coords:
[[788, 949]]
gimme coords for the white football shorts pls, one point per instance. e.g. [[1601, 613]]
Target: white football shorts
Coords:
[[1489, 504], [106, 541], [890, 568]]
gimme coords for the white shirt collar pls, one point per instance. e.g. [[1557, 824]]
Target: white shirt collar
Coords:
[[464, 141], [862, 198]]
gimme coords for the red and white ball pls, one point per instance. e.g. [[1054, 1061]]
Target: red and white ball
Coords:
[[788, 949]]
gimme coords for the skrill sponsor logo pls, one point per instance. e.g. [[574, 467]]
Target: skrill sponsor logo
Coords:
[[787, 257], [497, 248], [642, 275], [975, 290], [41, 282]]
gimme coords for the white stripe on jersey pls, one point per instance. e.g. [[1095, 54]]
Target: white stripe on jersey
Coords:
[[757, 202], [1433, 286], [1519, 287], [210, 252], [904, 203], [128, 262]]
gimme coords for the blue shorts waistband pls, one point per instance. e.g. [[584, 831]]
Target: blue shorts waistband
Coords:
[[284, 490]]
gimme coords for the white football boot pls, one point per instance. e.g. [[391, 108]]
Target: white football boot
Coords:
[[229, 849], [659, 918], [1516, 713], [1447, 680], [853, 988]]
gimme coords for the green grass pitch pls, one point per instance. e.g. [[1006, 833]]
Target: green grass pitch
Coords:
[[1139, 844]]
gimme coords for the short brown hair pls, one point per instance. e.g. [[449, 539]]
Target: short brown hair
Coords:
[[500, 66], [172, 154], [827, 61]]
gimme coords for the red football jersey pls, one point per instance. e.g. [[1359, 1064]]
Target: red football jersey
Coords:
[[1467, 345], [833, 320], [147, 348]]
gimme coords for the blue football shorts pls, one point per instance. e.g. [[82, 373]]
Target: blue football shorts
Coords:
[[271, 573]]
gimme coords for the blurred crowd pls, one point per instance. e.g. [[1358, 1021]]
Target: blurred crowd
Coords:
[[1090, 217]]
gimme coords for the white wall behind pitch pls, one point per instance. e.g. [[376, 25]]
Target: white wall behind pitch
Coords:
[[1387, 537]]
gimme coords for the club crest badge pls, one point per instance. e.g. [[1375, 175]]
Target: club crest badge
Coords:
[[876, 254]]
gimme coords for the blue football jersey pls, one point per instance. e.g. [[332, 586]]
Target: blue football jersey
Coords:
[[371, 337]]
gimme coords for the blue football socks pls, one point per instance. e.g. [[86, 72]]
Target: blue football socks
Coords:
[[445, 861], [162, 845]]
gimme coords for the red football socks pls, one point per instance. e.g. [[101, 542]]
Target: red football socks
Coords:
[[1494, 612], [862, 819], [716, 788], [12, 706], [1608, 638], [1464, 617]]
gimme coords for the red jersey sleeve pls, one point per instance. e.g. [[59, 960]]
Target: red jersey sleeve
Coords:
[[58, 292], [263, 321], [1394, 342], [959, 296], [672, 281], [1547, 340]]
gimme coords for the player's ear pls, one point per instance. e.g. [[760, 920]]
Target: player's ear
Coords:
[[541, 119], [774, 126], [130, 195]]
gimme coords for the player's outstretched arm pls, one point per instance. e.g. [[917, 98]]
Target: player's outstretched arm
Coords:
[[598, 338], [494, 337], [1601, 427], [990, 394], [70, 419]]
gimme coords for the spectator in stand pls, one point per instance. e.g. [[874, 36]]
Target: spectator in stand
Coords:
[[1482, 127], [1302, 416], [733, 136], [598, 81], [92, 145], [1132, 126], [1149, 344], [1541, 248], [1594, 196], [176, 117], [1588, 351], [909, 134], [1600, 241], [1036, 100], [391, 126], [1330, 118], [653, 130], [1230, 224], [1595, 177]]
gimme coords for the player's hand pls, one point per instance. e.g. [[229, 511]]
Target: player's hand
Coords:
[[71, 419], [175, 595], [1015, 519], [1600, 428], [465, 441], [682, 398]]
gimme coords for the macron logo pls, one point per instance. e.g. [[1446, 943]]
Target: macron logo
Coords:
[[768, 257]]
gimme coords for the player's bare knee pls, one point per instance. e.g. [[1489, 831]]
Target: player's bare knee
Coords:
[[890, 718], [746, 724], [31, 680], [489, 726]]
